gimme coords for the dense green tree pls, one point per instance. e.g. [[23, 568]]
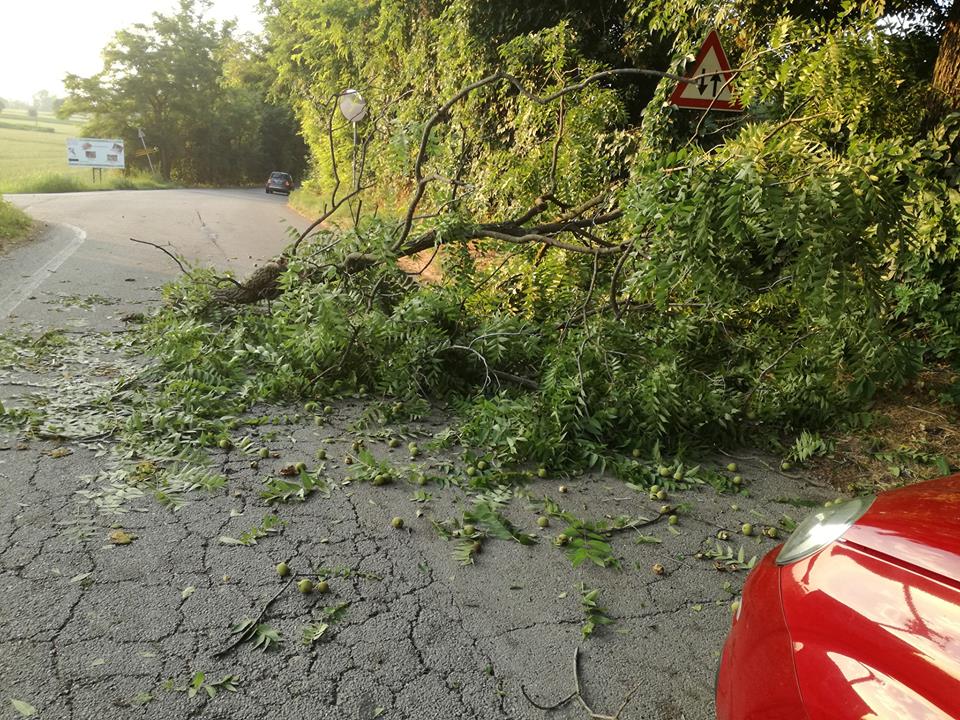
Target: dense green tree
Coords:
[[170, 79], [635, 273]]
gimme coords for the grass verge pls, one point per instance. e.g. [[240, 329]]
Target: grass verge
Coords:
[[14, 224], [52, 182]]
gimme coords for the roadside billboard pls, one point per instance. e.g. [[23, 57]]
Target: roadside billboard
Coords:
[[95, 153]]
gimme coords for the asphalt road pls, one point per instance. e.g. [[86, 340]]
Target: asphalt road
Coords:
[[87, 249], [91, 629]]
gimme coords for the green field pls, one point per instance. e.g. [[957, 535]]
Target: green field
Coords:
[[35, 160]]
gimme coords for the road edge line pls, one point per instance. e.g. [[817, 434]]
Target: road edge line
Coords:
[[13, 299]]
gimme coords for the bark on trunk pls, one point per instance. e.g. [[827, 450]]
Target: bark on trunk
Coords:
[[946, 72]]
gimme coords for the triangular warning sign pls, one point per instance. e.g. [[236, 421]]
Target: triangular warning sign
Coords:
[[713, 80]]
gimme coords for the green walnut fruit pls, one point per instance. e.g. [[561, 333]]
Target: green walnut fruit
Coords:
[[327, 410], [664, 471], [300, 467], [282, 569], [394, 443], [225, 444], [541, 472], [654, 489], [323, 587], [471, 471], [543, 522], [678, 475], [305, 586], [264, 453], [723, 535], [737, 480], [321, 454], [746, 529], [482, 465], [785, 466], [381, 479], [397, 522], [636, 452], [661, 495], [562, 539], [673, 520], [732, 467], [771, 532]]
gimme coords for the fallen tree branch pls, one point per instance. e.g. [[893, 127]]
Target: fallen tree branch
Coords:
[[163, 250], [443, 115], [547, 240]]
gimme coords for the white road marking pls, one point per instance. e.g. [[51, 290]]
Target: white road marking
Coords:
[[12, 300]]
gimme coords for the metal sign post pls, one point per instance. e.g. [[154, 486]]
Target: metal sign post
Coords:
[[143, 141]]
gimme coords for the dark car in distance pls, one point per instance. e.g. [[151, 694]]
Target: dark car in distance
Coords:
[[279, 182]]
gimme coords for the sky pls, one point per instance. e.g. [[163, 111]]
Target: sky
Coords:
[[42, 40]]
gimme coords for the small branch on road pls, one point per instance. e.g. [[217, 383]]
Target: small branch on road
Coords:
[[578, 695], [244, 637], [164, 250]]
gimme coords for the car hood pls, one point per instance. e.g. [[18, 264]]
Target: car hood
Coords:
[[875, 617], [916, 526]]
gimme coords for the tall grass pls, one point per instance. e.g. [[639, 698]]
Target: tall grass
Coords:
[[51, 182], [14, 223]]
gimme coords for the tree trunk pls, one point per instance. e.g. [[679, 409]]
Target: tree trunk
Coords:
[[946, 73]]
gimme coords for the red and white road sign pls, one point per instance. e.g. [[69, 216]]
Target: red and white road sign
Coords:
[[714, 81]]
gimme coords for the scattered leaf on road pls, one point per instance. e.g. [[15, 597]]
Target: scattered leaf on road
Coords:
[[121, 537], [25, 709]]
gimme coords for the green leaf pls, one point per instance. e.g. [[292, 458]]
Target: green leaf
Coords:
[[25, 709]]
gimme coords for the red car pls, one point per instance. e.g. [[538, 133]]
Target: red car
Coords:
[[855, 617]]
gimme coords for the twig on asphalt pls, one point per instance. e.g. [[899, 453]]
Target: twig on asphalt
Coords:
[[245, 636], [162, 249], [578, 694]]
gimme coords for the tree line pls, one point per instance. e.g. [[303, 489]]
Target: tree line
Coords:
[[201, 95]]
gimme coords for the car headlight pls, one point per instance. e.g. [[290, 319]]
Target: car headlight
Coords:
[[822, 528]]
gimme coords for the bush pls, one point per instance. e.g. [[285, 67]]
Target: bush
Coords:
[[14, 223]]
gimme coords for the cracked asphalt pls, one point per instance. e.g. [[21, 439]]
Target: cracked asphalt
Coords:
[[93, 629], [89, 627]]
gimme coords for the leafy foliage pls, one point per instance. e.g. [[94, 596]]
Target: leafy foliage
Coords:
[[484, 515], [595, 615], [261, 635], [725, 558], [199, 682], [270, 525]]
